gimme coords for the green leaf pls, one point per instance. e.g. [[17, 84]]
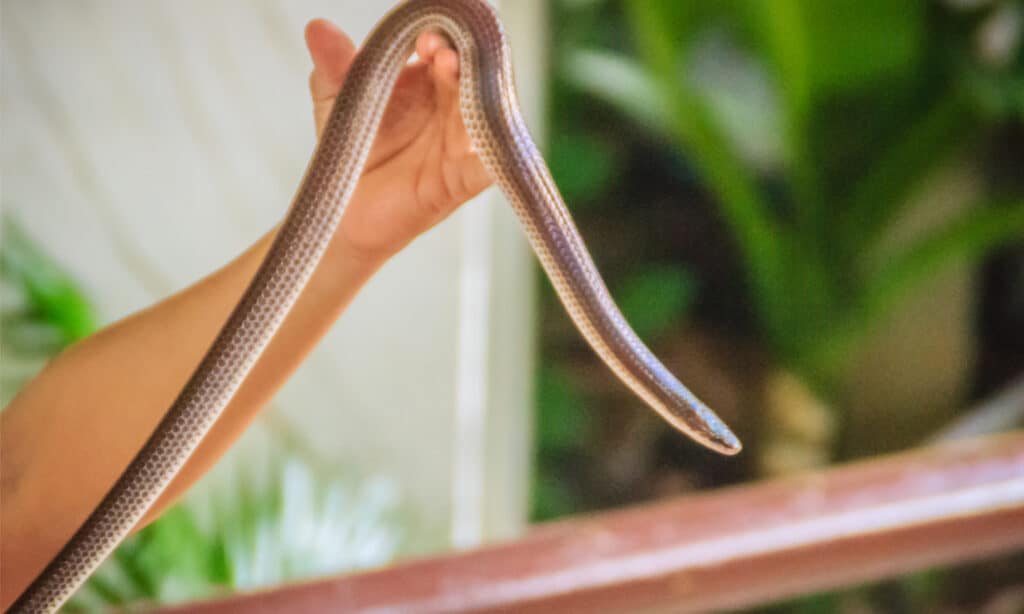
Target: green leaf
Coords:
[[668, 27], [740, 94], [562, 422], [41, 310], [760, 239], [784, 33], [694, 127], [884, 192], [924, 589], [107, 591], [50, 296], [582, 166], [656, 19], [656, 298], [821, 50], [621, 82], [657, 98], [964, 239], [551, 498], [853, 43]]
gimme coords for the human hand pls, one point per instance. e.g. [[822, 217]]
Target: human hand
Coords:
[[421, 166]]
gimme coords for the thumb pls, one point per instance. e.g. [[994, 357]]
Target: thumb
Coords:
[[332, 52]]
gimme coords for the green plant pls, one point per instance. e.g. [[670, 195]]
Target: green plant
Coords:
[[42, 310], [844, 108], [250, 534], [562, 428]]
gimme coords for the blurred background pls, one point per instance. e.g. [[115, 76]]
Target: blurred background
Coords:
[[812, 210]]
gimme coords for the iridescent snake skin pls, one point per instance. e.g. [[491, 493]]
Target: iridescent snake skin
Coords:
[[499, 136]]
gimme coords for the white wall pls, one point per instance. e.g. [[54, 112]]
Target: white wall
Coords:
[[144, 144]]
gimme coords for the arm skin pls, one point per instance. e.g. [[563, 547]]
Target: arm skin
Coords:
[[71, 432]]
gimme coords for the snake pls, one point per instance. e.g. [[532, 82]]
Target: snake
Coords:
[[498, 134]]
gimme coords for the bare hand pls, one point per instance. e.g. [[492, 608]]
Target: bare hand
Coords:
[[421, 167]]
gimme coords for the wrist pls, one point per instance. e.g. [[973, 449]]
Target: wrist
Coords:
[[346, 260], [381, 219]]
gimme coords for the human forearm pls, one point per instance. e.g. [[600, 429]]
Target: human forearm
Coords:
[[74, 428]]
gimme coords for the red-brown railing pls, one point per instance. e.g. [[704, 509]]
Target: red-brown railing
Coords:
[[725, 549]]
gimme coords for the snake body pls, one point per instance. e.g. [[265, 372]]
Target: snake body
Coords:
[[499, 136]]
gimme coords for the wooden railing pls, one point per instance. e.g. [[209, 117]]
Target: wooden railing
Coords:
[[725, 549]]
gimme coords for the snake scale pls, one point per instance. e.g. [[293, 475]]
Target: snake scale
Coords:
[[499, 136]]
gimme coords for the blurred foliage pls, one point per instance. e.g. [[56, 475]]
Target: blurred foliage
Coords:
[[584, 166], [653, 299], [50, 299], [851, 106], [297, 525], [256, 531], [561, 431], [744, 165], [41, 310], [810, 125]]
